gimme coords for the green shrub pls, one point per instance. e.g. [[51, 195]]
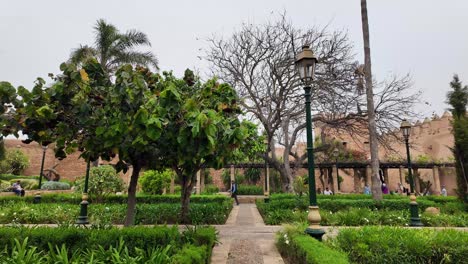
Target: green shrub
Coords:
[[249, 190], [15, 162], [53, 185], [27, 184], [252, 175], [299, 248], [103, 181], [75, 198], [299, 186], [211, 189], [154, 182], [402, 245], [129, 245], [20, 212]]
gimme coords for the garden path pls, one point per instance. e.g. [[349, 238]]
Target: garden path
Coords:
[[245, 239]]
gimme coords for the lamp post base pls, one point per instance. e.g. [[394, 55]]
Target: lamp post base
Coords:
[[314, 230], [37, 198], [415, 220], [83, 218]]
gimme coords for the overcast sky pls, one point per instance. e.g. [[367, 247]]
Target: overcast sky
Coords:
[[426, 38]]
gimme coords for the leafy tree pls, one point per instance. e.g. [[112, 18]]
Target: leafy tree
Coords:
[[202, 130], [103, 181], [113, 49], [458, 99], [15, 162]]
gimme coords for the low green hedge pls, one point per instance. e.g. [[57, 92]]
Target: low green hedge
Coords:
[[8, 177], [299, 248], [103, 214], [192, 246], [53, 185], [117, 199], [210, 189], [403, 245], [249, 190]]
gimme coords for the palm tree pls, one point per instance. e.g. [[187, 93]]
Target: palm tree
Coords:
[[374, 144], [112, 48]]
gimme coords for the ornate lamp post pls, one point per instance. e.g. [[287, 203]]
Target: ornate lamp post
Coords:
[[83, 218], [405, 128], [336, 154], [305, 65]]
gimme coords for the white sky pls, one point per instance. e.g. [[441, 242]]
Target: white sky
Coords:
[[425, 38]]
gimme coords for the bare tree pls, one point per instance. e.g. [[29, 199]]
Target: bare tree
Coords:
[[258, 60]]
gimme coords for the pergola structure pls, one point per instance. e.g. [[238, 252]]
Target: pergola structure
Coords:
[[358, 167]]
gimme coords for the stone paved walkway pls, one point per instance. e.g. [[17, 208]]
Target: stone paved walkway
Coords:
[[245, 239]]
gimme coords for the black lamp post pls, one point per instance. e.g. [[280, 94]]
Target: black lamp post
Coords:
[[44, 149], [37, 197], [83, 218], [415, 220], [267, 174], [336, 154], [305, 64]]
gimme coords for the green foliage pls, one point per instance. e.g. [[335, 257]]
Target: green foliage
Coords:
[[458, 100], [249, 190], [423, 159], [153, 182], [252, 175], [53, 185], [27, 184], [103, 181], [299, 185], [226, 176], [20, 212], [354, 210], [15, 162], [297, 247], [130, 245], [211, 189], [75, 198], [401, 245]]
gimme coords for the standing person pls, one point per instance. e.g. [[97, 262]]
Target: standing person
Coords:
[[367, 189], [443, 192], [18, 189], [234, 191], [384, 188], [327, 191]]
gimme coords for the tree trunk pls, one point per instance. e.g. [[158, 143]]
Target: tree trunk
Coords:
[[131, 203], [187, 182], [376, 185]]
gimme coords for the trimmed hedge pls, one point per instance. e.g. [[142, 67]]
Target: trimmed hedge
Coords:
[[249, 190], [118, 199], [193, 245], [403, 245], [299, 248]]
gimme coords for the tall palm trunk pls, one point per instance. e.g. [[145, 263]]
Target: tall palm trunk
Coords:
[[374, 145]]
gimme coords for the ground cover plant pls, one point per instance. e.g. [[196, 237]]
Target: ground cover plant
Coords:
[[21, 212], [355, 210], [129, 245]]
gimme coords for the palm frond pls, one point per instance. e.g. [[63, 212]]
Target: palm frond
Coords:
[[136, 58], [81, 54], [106, 35]]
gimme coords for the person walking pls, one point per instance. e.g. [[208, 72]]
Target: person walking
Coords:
[[367, 189], [234, 191]]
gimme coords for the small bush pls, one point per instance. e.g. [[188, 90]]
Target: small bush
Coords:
[[53, 185], [103, 181], [154, 182], [27, 184], [15, 162]]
